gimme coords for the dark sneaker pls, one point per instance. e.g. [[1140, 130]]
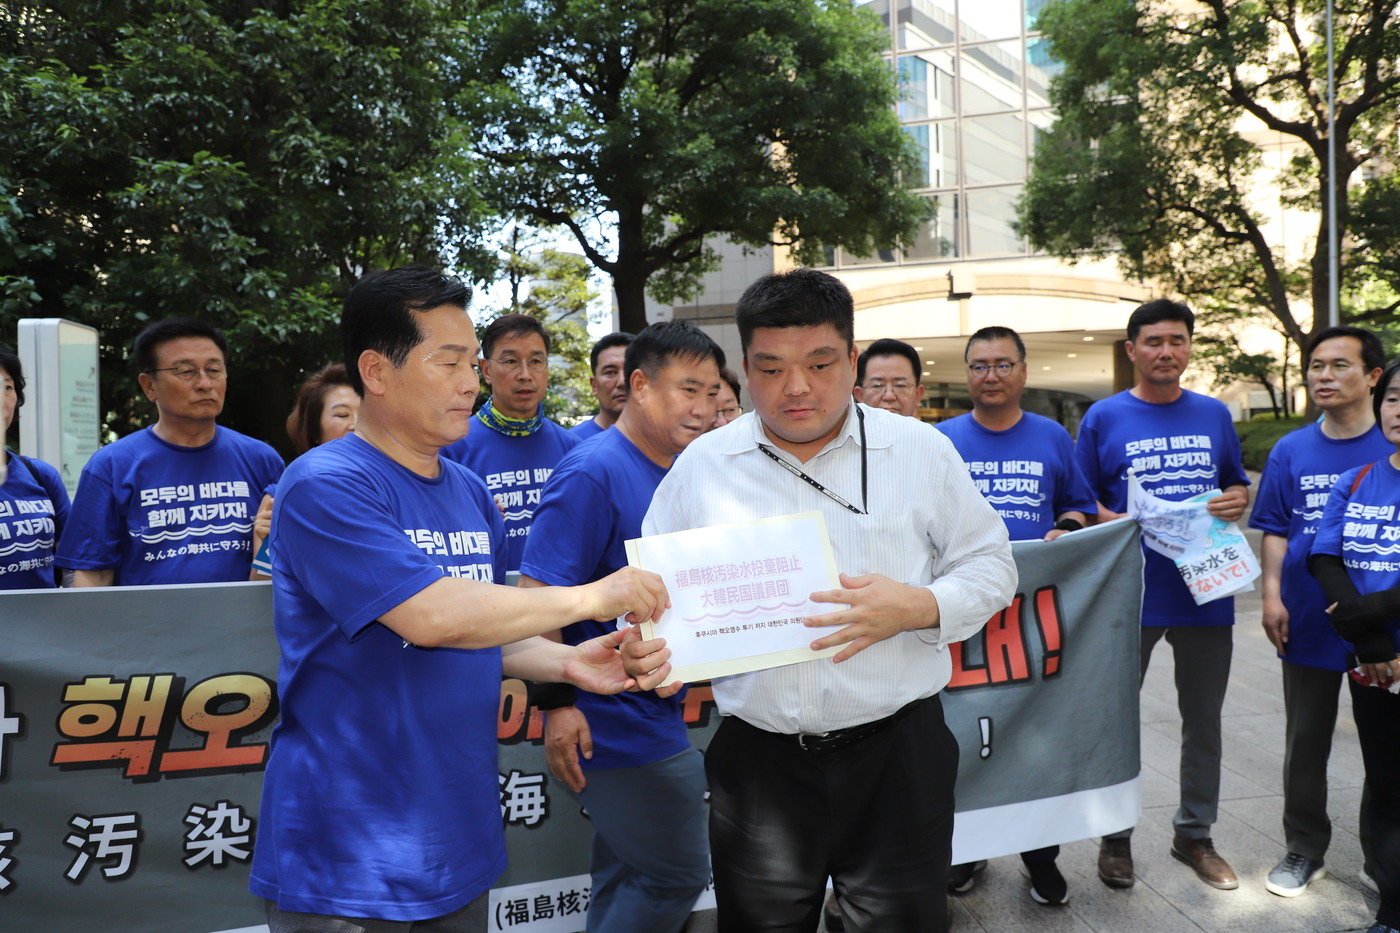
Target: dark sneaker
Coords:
[[1200, 854], [1381, 928], [1292, 876], [1048, 886], [963, 878], [1116, 862]]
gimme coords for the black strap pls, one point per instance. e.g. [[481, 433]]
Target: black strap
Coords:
[[802, 475]]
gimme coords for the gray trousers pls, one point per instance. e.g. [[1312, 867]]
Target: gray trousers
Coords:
[[1202, 657], [1310, 710]]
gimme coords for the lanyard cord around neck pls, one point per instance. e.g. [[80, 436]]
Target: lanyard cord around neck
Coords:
[[802, 475]]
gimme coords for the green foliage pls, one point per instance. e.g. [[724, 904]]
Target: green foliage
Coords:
[[657, 124], [1259, 436], [1154, 154], [239, 163]]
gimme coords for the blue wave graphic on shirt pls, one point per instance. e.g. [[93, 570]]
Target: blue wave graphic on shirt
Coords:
[[1175, 474], [35, 545], [197, 532], [1309, 516], [745, 612], [1373, 548], [519, 515], [1015, 500]]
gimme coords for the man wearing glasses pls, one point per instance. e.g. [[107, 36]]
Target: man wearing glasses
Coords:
[[173, 503], [887, 376], [1024, 465], [511, 444]]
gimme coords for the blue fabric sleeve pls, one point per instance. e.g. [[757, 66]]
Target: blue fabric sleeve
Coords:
[[1329, 530], [348, 550], [1231, 459], [1086, 451], [1271, 512], [92, 534], [570, 532], [1074, 492], [58, 495]]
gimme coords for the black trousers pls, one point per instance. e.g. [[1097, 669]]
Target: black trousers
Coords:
[[1377, 715], [876, 817]]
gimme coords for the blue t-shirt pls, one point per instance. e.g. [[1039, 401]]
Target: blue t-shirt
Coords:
[[1179, 449], [585, 430], [1027, 472], [1298, 477], [1363, 529], [159, 513], [381, 796], [33, 511], [594, 502], [515, 470]]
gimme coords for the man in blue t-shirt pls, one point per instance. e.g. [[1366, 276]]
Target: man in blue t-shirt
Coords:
[[627, 757], [1023, 463], [1179, 444], [174, 502], [1342, 365], [609, 383], [381, 798], [887, 376], [513, 446]]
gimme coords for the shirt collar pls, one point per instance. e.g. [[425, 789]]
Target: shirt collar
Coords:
[[748, 433]]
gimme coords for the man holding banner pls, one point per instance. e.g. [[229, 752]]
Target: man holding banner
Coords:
[[381, 798], [1179, 444], [839, 770], [1024, 464]]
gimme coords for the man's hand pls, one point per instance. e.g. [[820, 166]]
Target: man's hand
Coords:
[[638, 594], [1275, 622], [880, 607], [647, 662], [1383, 673], [566, 736], [1229, 505], [1054, 533], [596, 666]]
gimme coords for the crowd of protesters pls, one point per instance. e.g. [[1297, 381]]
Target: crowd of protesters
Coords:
[[388, 538]]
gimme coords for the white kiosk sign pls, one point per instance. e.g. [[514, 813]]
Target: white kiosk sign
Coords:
[[61, 422]]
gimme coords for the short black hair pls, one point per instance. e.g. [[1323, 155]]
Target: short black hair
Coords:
[[618, 338], [796, 298], [143, 348], [730, 377], [378, 313], [1392, 369], [888, 346], [1372, 353], [996, 332], [658, 344], [1157, 311], [9, 362], [508, 325]]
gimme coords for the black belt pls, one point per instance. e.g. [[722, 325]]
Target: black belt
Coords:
[[824, 743]]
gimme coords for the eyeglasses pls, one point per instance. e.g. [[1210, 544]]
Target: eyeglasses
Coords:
[[897, 386], [213, 373], [511, 365], [1002, 369], [730, 413]]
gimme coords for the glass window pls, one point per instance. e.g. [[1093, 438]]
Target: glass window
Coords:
[[991, 218], [1040, 68], [926, 84], [1040, 121], [923, 23], [991, 77], [1033, 8], [938, 237], [937, 159], [994, 149], [989, 19], [847, 258], [881, 8]]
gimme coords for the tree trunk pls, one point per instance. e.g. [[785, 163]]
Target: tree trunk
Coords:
[[630, 290]]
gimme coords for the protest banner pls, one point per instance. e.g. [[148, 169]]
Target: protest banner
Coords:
[[1211, 554], [134, 724]]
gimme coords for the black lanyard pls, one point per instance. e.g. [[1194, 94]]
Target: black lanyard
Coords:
[[800, 474]]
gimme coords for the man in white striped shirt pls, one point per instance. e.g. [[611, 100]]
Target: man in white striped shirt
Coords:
[[839, 770]]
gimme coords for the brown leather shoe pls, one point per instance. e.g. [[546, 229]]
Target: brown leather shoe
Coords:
[[1116, 862], [1200, 854]]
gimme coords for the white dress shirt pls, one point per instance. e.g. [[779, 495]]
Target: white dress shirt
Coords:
[[927, 526]]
